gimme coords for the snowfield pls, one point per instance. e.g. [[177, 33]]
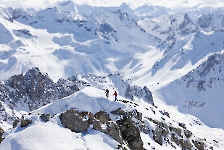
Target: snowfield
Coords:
[[165, 63]]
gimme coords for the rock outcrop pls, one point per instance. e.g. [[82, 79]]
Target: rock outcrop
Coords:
[[25, 122], [1, 133], [72, 120], [102, 116], [130, 133], [45, 117], [15, 123], [36, 88]]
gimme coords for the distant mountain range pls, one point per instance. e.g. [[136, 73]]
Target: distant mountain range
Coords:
[[166, 65]]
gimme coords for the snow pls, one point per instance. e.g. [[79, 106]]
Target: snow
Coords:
[[51, 136], [143, 48]]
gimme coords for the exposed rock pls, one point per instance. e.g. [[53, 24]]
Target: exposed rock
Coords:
[[72, 120], [186, 144], [177, 130], [97, 126], [45, 117], [128, 93], [182, 125], [145, 93], [119, 111], [157, 135], [175, 138], [90, 118], [199, 144], [114, 132], [1, 133], [130, 133], [187, 26], [105, 28], [102, 116], [111, 128], [25, 122], [187, 133], [15, 123], [37, 89], [205, 20], [160, 132], [83, 113], [148, 95]]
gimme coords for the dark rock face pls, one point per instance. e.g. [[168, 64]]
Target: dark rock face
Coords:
[[72, 120], [45, 117], [102, 116], [105, 28], [1, 133], [148, 95], [144, 93], [187, 133], [176, 130], [114, 131], [130, 133], [15, 123], [157, 135], [97, 126], [205, 20], [198, 144], [185, 144], [119, 111], [160, 131], [25, 122], [187, 26]]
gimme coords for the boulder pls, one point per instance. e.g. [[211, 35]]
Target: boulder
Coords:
[[25, 122], [45, 117], [72, 120], [15, 123], [102, 116]]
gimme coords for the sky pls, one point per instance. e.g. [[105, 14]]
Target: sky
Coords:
[[131, 3]]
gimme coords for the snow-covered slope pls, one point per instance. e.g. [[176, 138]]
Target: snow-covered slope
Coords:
[[165, 64], [200, 91]]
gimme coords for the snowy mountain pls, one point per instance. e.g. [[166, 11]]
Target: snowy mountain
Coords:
[[166, 65]]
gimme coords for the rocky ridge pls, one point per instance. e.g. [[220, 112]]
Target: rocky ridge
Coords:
[[35, 89]]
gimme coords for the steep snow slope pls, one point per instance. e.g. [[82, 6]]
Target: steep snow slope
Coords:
[[200, 92]]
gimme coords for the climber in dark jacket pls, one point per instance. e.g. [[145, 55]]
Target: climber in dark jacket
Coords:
[[107, 93]]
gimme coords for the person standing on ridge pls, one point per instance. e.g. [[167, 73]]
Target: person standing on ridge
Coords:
[[115, 95], [107, 93]]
